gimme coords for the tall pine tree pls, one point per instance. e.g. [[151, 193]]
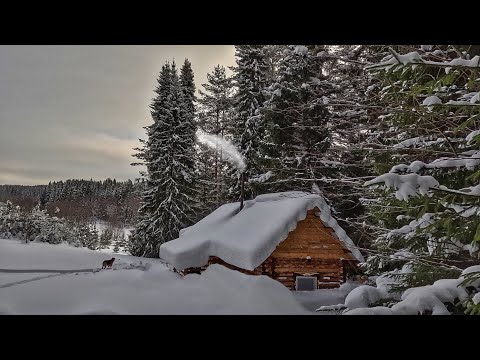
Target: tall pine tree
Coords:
[[296, 120], [250, 75], [215, 118], [169, 157], [187, 84], [189, 128]]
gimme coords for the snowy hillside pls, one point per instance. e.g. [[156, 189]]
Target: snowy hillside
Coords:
[[133, 286]]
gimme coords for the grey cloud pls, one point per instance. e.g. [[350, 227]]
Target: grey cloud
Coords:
[[77, 111]]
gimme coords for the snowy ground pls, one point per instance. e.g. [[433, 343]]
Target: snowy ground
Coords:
[[39, 278], [312, 300], [70, 283]]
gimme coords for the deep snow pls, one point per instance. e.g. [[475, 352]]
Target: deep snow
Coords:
[[130, 287]]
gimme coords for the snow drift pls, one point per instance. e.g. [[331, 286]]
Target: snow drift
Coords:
[[130, 288]]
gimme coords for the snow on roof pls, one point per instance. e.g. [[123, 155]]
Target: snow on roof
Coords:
[[246, 238]]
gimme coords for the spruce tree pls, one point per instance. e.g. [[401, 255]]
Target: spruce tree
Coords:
[[187, 84], [214, 118], [106, 238], [426, 210], [355, 125], [168, 154], [188, 127], [250, 75], [118, 240], [297, 131]]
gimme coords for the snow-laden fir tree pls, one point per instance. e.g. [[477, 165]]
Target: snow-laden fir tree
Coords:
[[250, 75], [106, 238], [272, 54], [214, 117], [187, 85], [118, 240], [427, 218], [296, 118], [86, 234], [355, 129], [168, 153], [188, 126]]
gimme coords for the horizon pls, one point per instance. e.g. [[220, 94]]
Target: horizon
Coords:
[[77, 111]]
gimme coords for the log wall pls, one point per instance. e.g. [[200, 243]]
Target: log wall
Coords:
[[310, 249]]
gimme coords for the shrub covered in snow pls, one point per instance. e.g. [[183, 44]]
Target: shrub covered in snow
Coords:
[[37, 225], [443, 297]]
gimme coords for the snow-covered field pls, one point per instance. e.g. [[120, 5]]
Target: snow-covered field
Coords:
[[133, 286]]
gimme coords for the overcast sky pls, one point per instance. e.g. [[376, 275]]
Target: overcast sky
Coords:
[[72, 112]]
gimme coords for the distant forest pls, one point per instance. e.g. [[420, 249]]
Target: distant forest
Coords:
[[84, 201]]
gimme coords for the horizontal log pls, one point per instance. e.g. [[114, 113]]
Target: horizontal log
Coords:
[[313, 234], [316, 269], [298, 272], [313, 245], [295, 272], [319, 278], [311, 270], [303, 263], [313, 256], [308, 266]]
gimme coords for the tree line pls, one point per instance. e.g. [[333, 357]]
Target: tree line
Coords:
[[86, 201]]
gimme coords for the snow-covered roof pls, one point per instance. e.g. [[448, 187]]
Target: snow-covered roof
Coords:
[[246, 238]]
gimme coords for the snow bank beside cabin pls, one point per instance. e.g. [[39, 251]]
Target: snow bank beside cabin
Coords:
[[414, 301], [246, 238], [365, 295], [129, 289]]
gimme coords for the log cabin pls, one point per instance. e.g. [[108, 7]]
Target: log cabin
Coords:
[[290, 237]]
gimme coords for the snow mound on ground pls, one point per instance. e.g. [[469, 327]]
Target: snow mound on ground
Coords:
[[245, 293], [476, 298], [312, 300], [414, 300], [471, 269], [365, 295], [336, 307], [362, 297], [377, 310], [139, 286]]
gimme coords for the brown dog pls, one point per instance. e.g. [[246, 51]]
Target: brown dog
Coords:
[[108, 263]]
